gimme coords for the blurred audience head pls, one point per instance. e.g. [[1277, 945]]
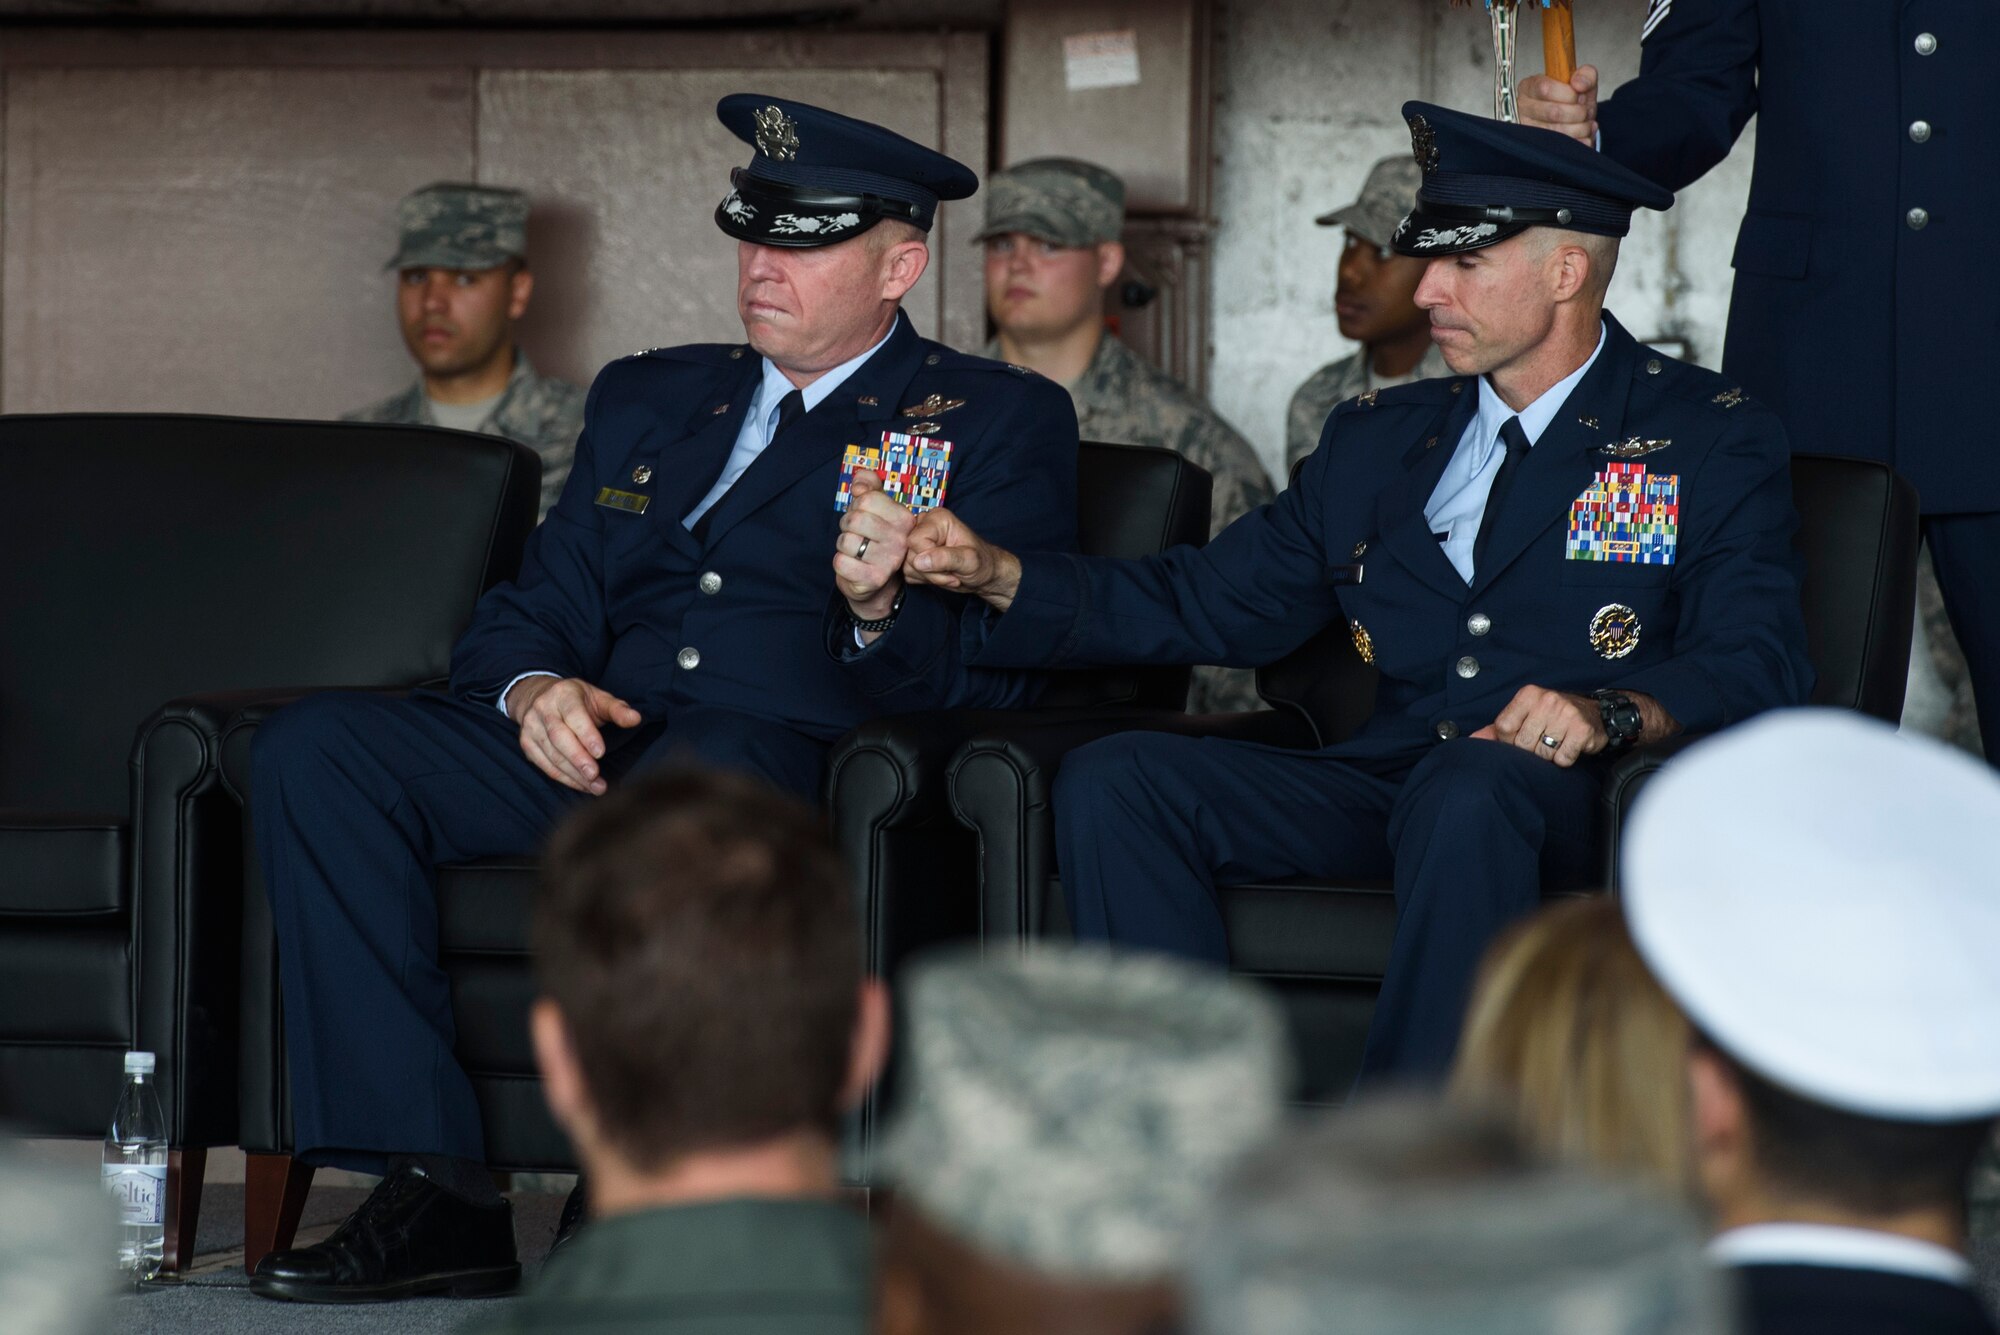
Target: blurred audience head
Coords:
[[1571, 1037], [1407, 1218], [1065, 1115], [1817, 894], [1052, 248], [702, 989], [462, 277], [1374, 298], [58, 1242]]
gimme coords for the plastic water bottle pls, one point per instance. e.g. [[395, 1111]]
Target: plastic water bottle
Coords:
[[135, 1171]]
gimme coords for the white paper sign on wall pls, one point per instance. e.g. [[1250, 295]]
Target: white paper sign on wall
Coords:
[[1101, 60]]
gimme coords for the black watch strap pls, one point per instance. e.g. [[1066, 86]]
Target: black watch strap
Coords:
[[1622, 721], [879, 623]]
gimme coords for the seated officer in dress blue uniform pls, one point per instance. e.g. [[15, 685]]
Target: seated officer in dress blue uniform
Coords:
[[671, 608], [1571, 545]]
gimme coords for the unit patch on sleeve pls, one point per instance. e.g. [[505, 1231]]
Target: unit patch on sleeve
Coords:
[[1626, 514]]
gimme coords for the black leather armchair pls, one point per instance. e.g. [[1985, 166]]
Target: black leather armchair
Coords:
[[1322, 945], [914, 864], [155, 557], [913, 870]]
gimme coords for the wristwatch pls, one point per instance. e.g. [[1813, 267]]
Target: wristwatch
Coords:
[[1622, 721], [879, 623]]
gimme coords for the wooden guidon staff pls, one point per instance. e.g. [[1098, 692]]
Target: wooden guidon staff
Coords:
[[1558, 46], [1558, 39]]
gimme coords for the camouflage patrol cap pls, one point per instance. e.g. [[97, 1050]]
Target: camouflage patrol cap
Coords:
[[1062, 200], [1386, 198], [1408, 1218], [1068, 1109], [453, 226]]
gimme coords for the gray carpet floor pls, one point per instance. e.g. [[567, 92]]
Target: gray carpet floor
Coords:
[[215, 1298]]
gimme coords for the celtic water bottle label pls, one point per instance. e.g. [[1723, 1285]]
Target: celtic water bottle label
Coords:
[[140, 1191]]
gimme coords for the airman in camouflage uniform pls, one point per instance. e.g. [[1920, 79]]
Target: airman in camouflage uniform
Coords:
[[1052, 227], [1405, 1218], [1373, 303], [463, 286], [1067, 1112]]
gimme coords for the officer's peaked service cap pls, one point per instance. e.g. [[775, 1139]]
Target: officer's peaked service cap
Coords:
[[818, 177], [1486, 180], [1817, 893]]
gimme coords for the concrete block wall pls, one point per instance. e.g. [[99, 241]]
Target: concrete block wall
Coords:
[[1310, 92]]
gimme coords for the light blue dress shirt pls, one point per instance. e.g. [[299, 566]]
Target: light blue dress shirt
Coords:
[[761, 422], [1458, 502], [752, 439]]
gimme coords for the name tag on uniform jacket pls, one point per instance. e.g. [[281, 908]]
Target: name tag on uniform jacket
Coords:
[[1626, 514]]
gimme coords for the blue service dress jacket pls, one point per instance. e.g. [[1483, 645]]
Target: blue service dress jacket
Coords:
[[1865, 310], [616, 590], [1699, 606], [1835, 1300]]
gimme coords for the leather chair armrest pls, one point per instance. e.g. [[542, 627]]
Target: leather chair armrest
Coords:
[[263, 1098], [187, 878], [1037, 740], [1623, 780], [889, 773], [249, 709], [1001, 782]]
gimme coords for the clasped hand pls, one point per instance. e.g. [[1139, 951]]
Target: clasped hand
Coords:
[[868, 552]]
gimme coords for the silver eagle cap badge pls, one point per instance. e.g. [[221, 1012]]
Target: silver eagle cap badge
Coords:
[[777, 134]]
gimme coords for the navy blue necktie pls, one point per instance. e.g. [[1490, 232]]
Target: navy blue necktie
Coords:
[[1517, 444], [790, 409]]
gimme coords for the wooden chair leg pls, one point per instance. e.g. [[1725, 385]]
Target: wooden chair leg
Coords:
[[184, 1174], [274, 1196]]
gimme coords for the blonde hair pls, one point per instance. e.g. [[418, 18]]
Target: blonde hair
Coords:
[[1570, 1034]]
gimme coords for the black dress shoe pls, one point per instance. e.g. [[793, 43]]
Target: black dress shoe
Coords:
[[410, 1236], [574, 1211]]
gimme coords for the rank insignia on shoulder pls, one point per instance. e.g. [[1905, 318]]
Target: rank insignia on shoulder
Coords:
[[1366, 398], [1364, 643], [1632, 447], [934, 406], [628, 501], [1729, 398], [1614, 631]]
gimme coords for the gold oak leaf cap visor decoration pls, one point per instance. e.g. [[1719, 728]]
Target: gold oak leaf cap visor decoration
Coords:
[[818, 178]]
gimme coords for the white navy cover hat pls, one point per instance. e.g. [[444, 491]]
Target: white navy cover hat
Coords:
[[1818, 894]]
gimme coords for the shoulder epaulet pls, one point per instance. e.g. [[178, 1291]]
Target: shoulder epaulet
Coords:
[[701, 354], [952, 359], [1417, 391], [1690, 383]]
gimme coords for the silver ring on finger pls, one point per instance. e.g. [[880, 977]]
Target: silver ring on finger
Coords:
[[1551, 742], [861, 552]]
